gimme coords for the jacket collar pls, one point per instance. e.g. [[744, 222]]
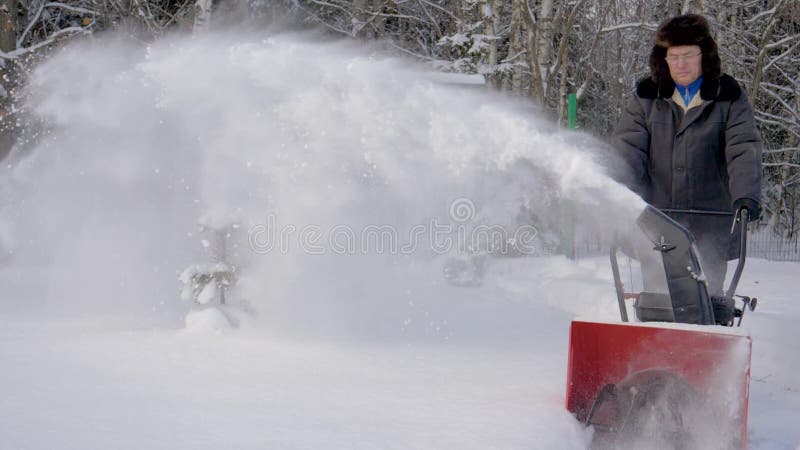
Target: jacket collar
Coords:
[[687, 93], [724, 88]]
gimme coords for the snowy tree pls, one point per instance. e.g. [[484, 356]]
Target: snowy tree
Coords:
[[207, 284]]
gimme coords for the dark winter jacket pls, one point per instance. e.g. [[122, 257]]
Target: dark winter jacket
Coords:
[[703, 159]]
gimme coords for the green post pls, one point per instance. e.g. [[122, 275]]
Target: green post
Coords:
[[572, 111], [567, 207]]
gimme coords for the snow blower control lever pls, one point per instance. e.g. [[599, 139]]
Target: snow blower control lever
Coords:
[[684, 296]]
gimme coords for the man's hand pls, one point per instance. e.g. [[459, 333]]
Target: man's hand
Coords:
[[752, 207]]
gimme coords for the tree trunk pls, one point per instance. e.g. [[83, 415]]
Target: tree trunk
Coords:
[[515, 47], [766, 36], [561, 62], [619, 85], [8, 28], [359, 13], [545, 41], [490, 17], [722, 20], [562, 95], [785, 196], [202, 14], [8, 43], [532, 50], [497, 25]]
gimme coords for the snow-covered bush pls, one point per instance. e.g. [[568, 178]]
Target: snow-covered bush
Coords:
[[208, 284]]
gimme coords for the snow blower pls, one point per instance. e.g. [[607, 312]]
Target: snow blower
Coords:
[[674, 379]]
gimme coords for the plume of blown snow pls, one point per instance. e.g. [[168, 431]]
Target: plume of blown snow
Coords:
[[297, 139]]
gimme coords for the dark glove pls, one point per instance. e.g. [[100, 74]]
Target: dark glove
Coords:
[[752, 207]]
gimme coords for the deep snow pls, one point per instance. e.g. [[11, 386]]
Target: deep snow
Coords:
[[137, 146], [497, 382]]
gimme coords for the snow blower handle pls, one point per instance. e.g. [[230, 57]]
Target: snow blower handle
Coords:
[[742, 217]]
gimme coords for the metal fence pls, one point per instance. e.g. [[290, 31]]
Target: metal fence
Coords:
[[765, 244], [760, 244]]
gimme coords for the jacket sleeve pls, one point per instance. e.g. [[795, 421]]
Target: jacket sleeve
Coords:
[[631, 142], [743, 149]]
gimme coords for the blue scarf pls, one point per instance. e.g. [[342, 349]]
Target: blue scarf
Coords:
[[688, 92]]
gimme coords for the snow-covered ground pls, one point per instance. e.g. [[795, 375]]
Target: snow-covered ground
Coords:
[[494, 379], [258, 141]]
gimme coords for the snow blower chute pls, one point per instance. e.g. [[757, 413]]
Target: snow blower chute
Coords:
[[666, 381]]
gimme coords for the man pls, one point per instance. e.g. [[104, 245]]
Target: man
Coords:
[[689, 142]]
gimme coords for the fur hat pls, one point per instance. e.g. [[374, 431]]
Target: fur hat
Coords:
[[689, 29]]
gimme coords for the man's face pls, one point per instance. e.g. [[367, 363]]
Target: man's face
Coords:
[[685, 63]]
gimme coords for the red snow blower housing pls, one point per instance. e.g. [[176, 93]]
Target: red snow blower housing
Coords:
[[673, 380]]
